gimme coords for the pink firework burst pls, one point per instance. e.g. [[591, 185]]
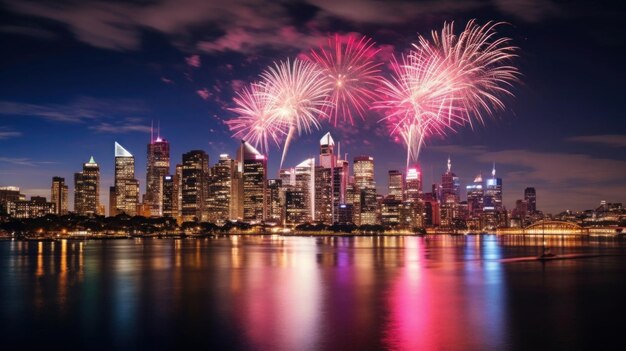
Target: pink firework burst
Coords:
[[446, 83], [296, 97], [253, 123], [349, 64]]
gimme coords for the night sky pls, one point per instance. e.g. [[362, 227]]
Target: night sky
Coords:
[[75, 76]]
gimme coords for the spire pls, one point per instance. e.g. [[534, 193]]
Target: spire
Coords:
[[159, 130], [120, 151], [449, 164], [151, 131], [493, 171], [91, 161]]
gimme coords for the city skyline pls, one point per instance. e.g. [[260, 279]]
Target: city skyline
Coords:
[[556, 135]]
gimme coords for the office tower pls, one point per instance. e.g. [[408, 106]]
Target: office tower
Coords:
[[450, 196], [324, 180], [126, 186], [178, 191], [220, 188], [493, 193], [475, 197], [254, 177], [413, 184], [395, 185], [58, 195], [390, 211], [87, 189], [274, 201], [324, 194], [530, 196], [9, 194], [168, 198], [296, 211], [305, 182], [158, 166], [366, 189], [341, 173], [195, 178]]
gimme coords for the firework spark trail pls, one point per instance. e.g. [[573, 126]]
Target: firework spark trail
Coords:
[[253, 123], [447, 82], [296, 96], [349, 64]]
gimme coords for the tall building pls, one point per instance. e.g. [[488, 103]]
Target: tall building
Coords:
[[305, 182], [126, 186], [324, 194], [324, 180], [195, 182], [220, 188], [493, 193], [395, 184], [87, 189], [169, 198], [178, 191], [274, 201], [366, 188], [158, 166], [450, 196], [475, 197], [341, 174], [58, 195], [254, 175], [530, 196], [9, 194], [413, 184], [494, 214]]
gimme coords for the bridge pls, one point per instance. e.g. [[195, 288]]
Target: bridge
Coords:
[[547, 227]]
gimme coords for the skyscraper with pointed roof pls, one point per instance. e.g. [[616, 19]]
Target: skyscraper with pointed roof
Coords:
[[126, 186], [158, 166], [305, 182], [87, 189]]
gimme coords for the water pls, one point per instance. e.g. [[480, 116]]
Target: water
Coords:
[[308, 293]]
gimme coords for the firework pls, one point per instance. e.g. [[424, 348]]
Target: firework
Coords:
[[349, 64], [253, 122], [447, 82], [295, 95]]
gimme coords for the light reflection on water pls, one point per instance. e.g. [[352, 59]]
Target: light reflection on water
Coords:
[[310, 293]]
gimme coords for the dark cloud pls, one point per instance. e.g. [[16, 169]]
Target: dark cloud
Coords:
[[245, 25], [80, 110], [610, 140]]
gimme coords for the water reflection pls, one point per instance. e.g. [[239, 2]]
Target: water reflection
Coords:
[[307, 293]]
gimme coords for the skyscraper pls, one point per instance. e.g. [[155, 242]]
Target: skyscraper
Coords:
[[158, 166], [305, 182], [126, 186], [530, 196], [475, 195], [413, 184], [274, 201], [220, 188], [254, 174], [493, 211], [87, 189], [324, 194], [366, 188], [395, 185], [58, 195], [450, 195], [169, 198], [195, 177]]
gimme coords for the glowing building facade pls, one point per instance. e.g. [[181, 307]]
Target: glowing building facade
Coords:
[[126, 186], [254, 177], [158, 166], [195, 183], [58, 195], [87, 189]]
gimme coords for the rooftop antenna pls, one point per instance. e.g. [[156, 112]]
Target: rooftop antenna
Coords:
[[159, 129]]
